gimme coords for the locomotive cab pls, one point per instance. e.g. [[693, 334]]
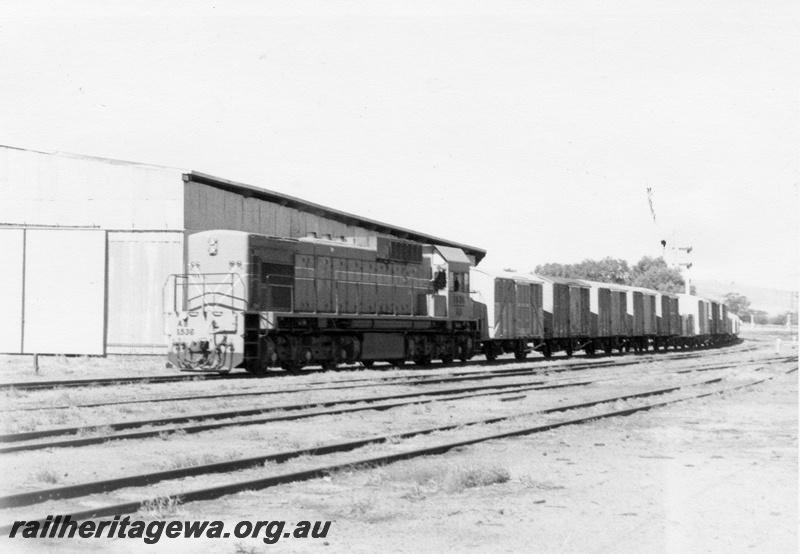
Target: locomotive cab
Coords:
[[449, 295]]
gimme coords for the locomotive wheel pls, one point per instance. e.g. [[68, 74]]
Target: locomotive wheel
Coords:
[[292, 367]]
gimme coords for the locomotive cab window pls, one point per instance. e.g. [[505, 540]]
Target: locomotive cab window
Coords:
[[459, 282]]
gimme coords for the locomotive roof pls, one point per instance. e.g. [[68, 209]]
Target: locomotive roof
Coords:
[[330, 213]]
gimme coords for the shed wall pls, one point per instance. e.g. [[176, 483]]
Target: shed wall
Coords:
[[72, 191], [65, 285], [138, 267], [210, 208], [12, 243]]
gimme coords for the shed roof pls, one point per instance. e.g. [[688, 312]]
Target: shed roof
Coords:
[[271, 196], [330, 213]]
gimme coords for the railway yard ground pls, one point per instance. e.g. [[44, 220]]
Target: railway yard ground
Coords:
[[713, 473]]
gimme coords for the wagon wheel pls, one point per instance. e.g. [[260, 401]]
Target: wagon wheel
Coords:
[[490, 354], [608, 348], [520, 354], [547, 352], [330, 365], [367, 363], [568, 349]]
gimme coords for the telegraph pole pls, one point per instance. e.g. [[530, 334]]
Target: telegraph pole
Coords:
[[678, 265], [688, 266]]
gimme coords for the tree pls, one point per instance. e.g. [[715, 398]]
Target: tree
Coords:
[[651, 273], [738, 304], [654, 273], [607, 270]]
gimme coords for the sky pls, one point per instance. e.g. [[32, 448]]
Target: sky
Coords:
[[533, 130]]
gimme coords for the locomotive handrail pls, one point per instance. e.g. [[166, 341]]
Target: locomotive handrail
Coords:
[[201, 280]]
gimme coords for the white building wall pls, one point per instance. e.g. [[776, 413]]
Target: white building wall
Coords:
[[139, 264], [65, 291], [72, 191], [11, 271]]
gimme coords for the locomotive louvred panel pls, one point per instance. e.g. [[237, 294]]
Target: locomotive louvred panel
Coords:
[[325, 296], [304, 287], [367, 289], [11, 259], [385, 288], [353, 279], [65, 284], [340, 286], [403, 292], [138, 262]]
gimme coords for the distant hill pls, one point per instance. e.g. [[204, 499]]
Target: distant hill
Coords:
[[772, 301]]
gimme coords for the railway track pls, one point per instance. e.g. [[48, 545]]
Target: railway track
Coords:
[[419, 398], [209, 493], [369, 382], [166, 379], [343, 385]]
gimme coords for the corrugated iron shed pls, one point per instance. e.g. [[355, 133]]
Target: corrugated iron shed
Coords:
[[344, 218]]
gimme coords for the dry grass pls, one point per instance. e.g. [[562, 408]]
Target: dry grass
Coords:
[[97, 431], [191, 460], [169, 434], [427, 476], [45, 475], [241, 548], [530, 483], [161, 507], [359, 507]]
